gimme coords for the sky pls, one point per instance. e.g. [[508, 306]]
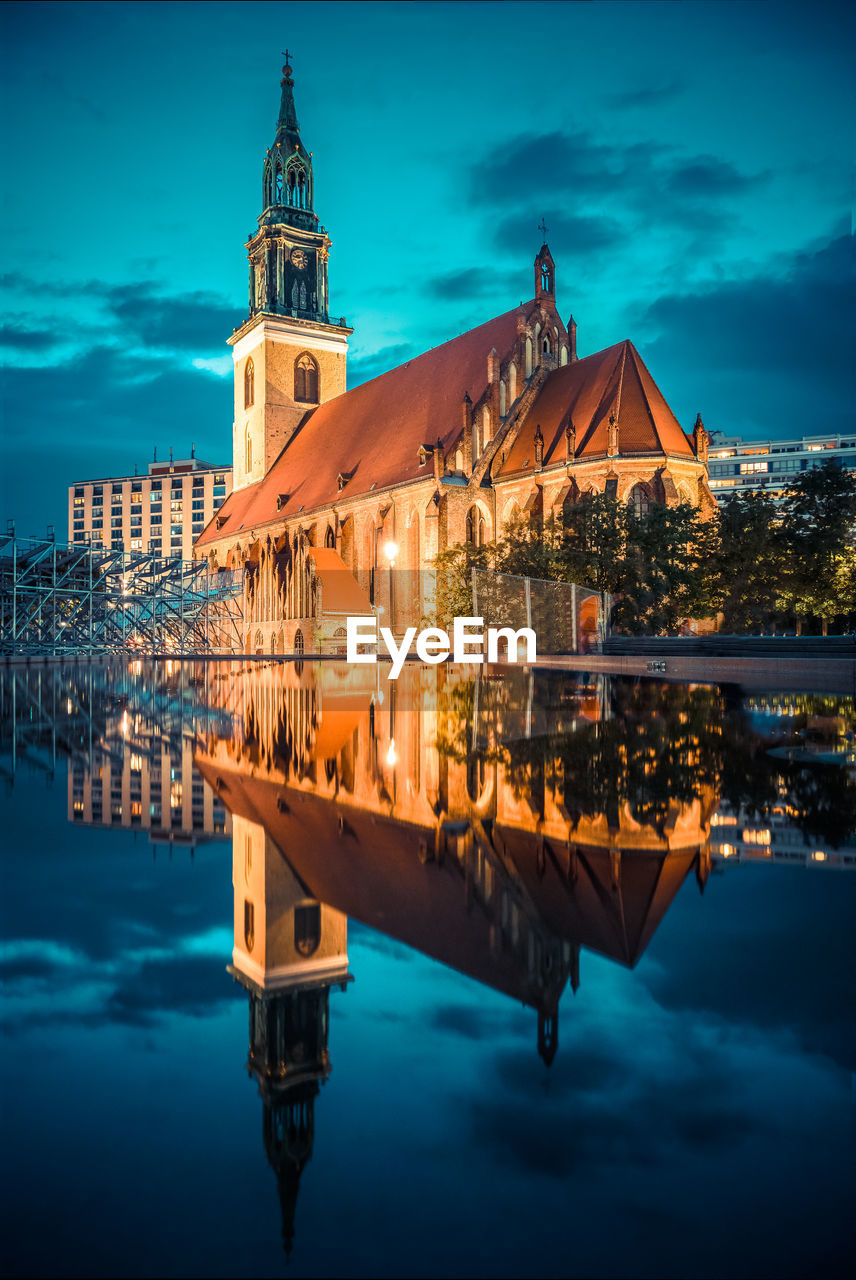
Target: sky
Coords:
[[692, 162]]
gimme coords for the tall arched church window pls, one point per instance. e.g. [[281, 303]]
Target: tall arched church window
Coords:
[[546, 283], [249, 384], [249, 924], [306, 380], [295, 295], [639, 501], [512, 382], [298, 641], [303, 295], [547, 346], [268, 186], [563, 359], [502, 404], [329, 537], [528, 356], [476, 527], [277, 184], [248, 452]]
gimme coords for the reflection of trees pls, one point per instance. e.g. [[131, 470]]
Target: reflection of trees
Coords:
[[654, 747]]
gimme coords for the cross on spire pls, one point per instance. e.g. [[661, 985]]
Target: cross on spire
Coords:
[[286, 54], [542, 227]]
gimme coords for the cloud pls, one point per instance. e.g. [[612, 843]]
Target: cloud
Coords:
[[363, 368], [469, 283], [190, 322], [21, 338], [648, 95], [577, 233], [771, 352]]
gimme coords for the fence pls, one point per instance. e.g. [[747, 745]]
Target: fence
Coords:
[[566, 617], [89, 600]]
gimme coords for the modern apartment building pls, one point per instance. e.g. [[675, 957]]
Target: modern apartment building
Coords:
[[769, 465], [163, 511]]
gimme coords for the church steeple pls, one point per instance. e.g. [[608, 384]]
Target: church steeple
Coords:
[[287, 193]]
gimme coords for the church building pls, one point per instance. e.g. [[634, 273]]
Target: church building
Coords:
[[332, 488]]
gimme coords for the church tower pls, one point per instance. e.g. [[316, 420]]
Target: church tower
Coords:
[[288, 356]]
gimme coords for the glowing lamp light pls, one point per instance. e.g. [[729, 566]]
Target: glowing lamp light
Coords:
[[818, 856], [390, 550], [392, 754]]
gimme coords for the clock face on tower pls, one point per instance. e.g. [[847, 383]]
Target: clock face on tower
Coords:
[[298, 259]]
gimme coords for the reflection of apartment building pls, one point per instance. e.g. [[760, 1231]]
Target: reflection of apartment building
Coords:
[[769, 465], [146, 784], [744, 837], [163, 511]]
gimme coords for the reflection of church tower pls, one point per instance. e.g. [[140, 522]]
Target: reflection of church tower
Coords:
[[289, 950]]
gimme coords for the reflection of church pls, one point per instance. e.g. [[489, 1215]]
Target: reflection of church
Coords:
[[379, 817], [503, 421]]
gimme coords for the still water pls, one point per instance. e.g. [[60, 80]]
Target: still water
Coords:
[[463, 976]]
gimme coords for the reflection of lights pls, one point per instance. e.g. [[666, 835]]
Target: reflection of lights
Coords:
[[723, 820], [756, 837], [138, 668], [392, 754], [818, 856], [390, 550], [68, 706], [727, 850], [124, 724], [169, 667]]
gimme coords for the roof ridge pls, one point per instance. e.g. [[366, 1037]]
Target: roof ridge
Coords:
[[465, 333]]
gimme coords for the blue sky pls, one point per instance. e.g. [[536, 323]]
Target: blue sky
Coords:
[[692, 162]]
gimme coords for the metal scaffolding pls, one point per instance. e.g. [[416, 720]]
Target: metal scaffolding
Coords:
[[87, 600]]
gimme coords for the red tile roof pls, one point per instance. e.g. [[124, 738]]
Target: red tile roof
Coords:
[[611, 381], [371, 434]]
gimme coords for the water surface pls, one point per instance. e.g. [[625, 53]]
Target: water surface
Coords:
[[460, 975]]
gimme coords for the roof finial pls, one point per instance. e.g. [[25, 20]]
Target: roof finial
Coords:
[[542, 227]]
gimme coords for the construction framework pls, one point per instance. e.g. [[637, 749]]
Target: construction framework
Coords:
[[87, 600]]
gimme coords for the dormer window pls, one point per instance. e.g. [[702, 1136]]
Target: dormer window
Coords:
[[423, 455]]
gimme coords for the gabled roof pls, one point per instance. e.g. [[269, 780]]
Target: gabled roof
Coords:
[[613, 381], [372, 434]]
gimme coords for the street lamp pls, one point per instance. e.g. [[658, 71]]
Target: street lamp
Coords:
[[390, 550]]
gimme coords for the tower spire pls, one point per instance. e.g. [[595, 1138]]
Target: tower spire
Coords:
[[287, 121]]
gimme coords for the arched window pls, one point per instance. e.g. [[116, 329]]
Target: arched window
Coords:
[[546, 346], [268, 186], [639, 500], [248, 452], [249, 384], [528, 356], [329, 537], [249, 924], [502, 404], [306, 381], [512, 382], [476, 527], [546, 282], [485, 426], [307, 928], [298, 641], [277, 184], [564, 356]]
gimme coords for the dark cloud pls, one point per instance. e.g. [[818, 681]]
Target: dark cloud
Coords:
[[648, 95], [197, 322], [578, 234], [364, 368], [187, 984], [469, 1021], [20, 338], [771, 352], [469, 283], [98, 414], [706, 177]]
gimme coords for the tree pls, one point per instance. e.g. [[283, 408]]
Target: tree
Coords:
[[748, 565], [817, 539]]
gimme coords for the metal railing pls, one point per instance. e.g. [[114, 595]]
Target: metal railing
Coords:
[[88, 600], [565, 616]]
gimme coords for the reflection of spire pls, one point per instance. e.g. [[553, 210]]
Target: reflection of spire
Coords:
[[289, 1059]]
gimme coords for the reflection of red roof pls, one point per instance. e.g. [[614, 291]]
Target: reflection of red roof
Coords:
[[614, 381], [371, 435]]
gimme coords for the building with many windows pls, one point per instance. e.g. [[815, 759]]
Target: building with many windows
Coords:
[[770, 465], [163, 511]]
